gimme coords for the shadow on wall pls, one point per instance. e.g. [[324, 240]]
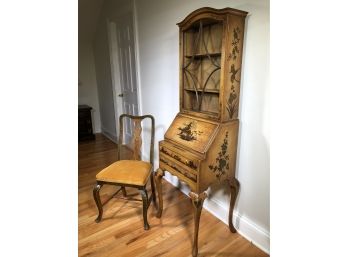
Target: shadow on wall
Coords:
[[159, 130]]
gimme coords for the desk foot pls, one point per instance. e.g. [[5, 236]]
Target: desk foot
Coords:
[[197, 201], [234, 184], [158, 181]]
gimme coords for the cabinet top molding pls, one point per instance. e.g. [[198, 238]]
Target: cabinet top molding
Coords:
[[213, 11]]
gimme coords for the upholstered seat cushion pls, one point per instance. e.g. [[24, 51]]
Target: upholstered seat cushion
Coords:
[[126, 172]]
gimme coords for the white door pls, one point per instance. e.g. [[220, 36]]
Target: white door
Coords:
[[121, 39]]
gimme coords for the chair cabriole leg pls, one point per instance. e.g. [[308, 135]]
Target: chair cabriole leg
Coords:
[[143, 193], [124, 192], [153, 191], [96, 196]]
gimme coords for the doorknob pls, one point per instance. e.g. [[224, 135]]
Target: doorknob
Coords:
[[120, 95]]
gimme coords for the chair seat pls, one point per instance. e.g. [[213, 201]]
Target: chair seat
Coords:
[[130, 172]]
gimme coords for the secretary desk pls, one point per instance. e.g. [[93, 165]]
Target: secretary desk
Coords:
[[200, 146]]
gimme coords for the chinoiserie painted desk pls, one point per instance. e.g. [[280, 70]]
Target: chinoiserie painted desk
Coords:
[[200, 146]]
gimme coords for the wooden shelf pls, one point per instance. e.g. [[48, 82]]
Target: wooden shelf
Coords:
[[211, 91], [205, 23], [210, 113], [205, 112], [196, 56]]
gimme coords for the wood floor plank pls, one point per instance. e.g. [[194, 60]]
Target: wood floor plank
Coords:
[[121, 232]]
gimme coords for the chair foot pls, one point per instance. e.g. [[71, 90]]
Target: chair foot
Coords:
[[96, 196]]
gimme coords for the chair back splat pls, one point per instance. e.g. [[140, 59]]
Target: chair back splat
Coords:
[[136, 141]]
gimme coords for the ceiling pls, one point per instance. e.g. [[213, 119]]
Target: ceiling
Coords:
[[89, 11]]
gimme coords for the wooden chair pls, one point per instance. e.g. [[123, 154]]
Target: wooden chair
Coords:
[[130, 173]]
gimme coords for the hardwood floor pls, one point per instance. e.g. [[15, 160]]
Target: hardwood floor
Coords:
[[121, 232]]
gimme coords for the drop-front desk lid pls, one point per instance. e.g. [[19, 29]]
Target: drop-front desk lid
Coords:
[[192, 133]]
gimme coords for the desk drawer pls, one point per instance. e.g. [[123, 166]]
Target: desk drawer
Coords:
[[177, 167], [187, 161]]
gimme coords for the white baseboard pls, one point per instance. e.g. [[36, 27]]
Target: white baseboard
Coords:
[[245, 227], [109, 135]]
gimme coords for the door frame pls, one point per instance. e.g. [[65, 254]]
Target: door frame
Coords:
[[137, 73], [115, 71], [136, 56], [115, 66]]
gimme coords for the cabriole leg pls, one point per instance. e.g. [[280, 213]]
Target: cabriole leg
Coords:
[[124, 192], [153, 191], [96, 196], [158, 180], [197, 201], [234, 185], [143, 193]]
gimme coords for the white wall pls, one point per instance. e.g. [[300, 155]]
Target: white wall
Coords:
[[158, 45], [103, 69], [87, 89]]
